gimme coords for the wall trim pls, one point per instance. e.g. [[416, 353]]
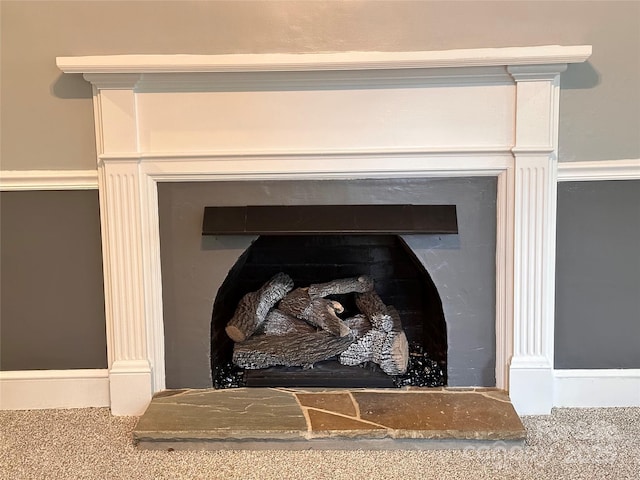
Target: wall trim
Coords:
[[85, 388], [292, 62], [597, 388], [628, 169], [40, 389], [22, 180], [17, 180]]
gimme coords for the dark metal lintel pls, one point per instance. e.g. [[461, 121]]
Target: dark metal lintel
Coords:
[[330, 219]]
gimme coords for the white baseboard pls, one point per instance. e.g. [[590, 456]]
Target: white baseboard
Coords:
[[597, 388], [17, 180], [531, 387], [39, 389]]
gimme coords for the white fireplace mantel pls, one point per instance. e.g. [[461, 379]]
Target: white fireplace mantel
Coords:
[[490, 112]]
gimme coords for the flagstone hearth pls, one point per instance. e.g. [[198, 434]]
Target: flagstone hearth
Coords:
[[285, 418]]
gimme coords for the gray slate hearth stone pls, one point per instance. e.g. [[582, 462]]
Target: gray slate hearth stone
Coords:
[[317, 418], [238, 414]]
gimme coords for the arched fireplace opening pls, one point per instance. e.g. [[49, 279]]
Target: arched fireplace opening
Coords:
[[400, 280]]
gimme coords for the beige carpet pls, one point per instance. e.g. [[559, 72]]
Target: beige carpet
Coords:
[[91, 444]]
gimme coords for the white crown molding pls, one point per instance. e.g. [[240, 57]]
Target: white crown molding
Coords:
[[291, 62], [16, 180], [597, 388], [628, 169], [39, 389]]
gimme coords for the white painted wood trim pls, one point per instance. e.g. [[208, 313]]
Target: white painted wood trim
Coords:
[[153, 280], [535, 153], [125, 261], [628, 169], [130, 170], [505, 228], [292, 62], [197, 168], [597, 388], [17, 180], [316, 166], [84, 388], [39, 389], [441, 153]]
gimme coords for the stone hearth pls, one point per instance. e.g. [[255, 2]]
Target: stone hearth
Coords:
[[272, 418]]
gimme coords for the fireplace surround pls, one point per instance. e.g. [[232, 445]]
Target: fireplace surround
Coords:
[[462, 265], [482, 112]]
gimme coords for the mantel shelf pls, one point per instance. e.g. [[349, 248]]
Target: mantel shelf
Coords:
[[480, 57]]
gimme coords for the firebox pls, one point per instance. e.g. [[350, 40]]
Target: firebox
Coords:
[[334, 249]]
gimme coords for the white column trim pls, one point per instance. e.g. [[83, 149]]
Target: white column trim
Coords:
[[151, 270], [504, 275], [531, 367], [535, 153], [20, 180], [124, 273]]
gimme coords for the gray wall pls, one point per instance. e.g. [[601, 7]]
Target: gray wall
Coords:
[[599, 118], [598, 275], [462, 266], [52, 304], [46, 119]]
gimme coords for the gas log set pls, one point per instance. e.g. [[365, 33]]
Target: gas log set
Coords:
[[278, 325]]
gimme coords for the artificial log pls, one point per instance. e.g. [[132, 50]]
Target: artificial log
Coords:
[[363, 349], [394, 355], [376, 311], [390, 350], [385, 343], [293, 350], [359, 284], [316, 311], [279, 323], [254, 307], [359, 324], [396, 323]]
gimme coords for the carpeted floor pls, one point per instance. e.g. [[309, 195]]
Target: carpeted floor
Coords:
[[91, 444]]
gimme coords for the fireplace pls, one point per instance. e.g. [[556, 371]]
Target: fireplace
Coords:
[[362, 115], [336, 260]]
